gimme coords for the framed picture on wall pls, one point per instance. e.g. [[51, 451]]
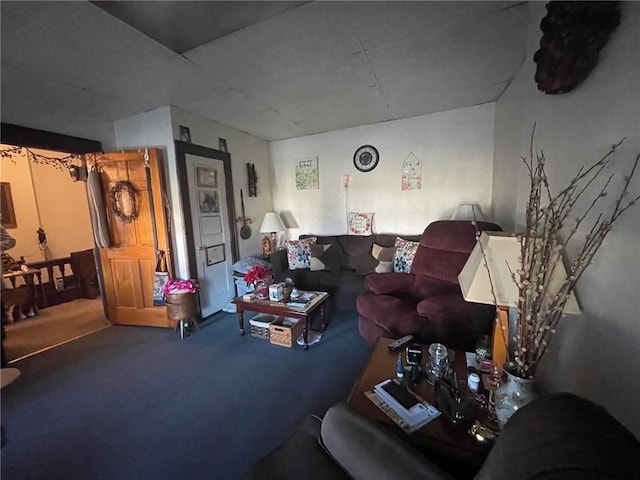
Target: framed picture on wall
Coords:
[[6, 202], [215, 254], [207, 177], [185, 134]]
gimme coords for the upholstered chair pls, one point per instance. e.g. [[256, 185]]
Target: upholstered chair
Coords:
[[428, 302]]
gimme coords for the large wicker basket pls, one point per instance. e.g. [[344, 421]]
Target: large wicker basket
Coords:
[[284, 332]]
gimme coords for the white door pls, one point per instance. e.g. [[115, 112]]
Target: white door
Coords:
[[212, 239]]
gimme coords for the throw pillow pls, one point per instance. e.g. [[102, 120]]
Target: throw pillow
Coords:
[[244, 264], [405, 252], [384, 256], [315, 252], [360, 223], [299, 253], [332, 258]]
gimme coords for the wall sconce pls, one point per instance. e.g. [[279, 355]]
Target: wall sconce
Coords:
[[345, 180], [78, 173]]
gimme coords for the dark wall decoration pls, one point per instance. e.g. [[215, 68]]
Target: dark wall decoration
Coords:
[[573, 35], [252, 180]]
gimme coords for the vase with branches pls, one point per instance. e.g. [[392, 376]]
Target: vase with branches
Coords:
[[549, 238], [562, 233]]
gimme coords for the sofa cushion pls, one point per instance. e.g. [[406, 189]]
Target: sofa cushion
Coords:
[[563, 436], [445, 246], [299, 253], [404, 255], [384, 256], [299, 453], [392, 283], [368, 451], [357, 253]]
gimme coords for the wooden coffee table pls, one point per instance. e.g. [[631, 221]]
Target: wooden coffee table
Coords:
[[282, 309], [450, 442]]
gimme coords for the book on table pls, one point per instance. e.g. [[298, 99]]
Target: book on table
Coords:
[[302, 301], [403, 406]]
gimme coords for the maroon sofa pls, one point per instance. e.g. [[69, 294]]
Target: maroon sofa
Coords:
[[428, 302]]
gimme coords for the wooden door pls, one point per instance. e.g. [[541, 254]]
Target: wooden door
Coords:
[[128, 266]]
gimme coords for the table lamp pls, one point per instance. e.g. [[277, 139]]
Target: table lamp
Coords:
[[468, 211], [272, 225], [502, 252]]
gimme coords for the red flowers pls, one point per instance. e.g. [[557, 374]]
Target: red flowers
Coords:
[[255, 273]]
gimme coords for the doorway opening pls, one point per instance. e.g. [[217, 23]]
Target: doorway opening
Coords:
[[50, 292]]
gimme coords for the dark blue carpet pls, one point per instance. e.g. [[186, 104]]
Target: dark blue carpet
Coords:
[[134, 403]]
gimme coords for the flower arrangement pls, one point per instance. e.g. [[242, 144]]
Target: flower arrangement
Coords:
[[181, 286], [256, 273], [552, 232]]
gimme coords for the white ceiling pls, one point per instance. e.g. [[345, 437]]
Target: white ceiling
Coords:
[[72, 68]]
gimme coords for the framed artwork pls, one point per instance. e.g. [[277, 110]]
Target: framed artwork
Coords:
[[215, 254], [207, 177], [307, 175], [222, 145], [6, 202], [411, 173], [209, 202], [185, 134]]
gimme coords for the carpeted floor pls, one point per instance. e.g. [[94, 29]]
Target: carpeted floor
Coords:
[[53, 326], [133, 402]]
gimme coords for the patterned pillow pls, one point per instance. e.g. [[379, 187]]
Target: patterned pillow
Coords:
[[384, 256], [360, 223], [405, 252], [299, 252]]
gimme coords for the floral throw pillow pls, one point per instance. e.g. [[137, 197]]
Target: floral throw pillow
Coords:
[[360, 223], [299, 252], [405, 252]]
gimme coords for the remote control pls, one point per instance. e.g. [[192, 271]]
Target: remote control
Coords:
[[396, 344]]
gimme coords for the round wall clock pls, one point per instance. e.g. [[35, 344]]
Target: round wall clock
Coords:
[[366, 158]]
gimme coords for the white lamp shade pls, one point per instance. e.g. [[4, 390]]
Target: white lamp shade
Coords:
[[502, 251], [271, 224], [468, 211]]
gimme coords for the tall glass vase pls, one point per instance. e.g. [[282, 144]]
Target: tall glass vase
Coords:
[[514, 394]]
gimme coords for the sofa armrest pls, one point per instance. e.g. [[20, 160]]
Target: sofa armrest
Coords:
[[367, 451], [279, 262], [392, 283]]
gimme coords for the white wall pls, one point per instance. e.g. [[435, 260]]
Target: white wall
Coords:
[[456, 151], [594, 354], [159, 128], [45, 196]]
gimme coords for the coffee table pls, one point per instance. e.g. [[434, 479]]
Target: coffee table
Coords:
[[303, 314], [450, 442]]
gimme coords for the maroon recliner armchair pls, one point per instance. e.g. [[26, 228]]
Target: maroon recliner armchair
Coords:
[[428, 302]]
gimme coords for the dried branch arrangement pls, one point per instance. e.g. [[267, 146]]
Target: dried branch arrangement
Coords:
[[541, 304]]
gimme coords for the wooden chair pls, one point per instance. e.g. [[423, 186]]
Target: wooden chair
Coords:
[[84, 269]]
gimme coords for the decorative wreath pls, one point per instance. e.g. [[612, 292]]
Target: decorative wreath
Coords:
[[118, 192], [573, 35]]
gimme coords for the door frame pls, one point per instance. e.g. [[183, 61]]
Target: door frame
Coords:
[[182, 149]]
